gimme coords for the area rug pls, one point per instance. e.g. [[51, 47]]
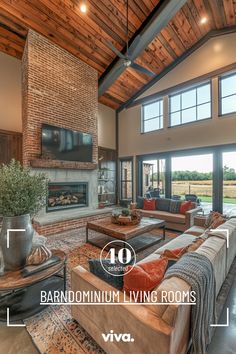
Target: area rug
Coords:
[[54, 331]]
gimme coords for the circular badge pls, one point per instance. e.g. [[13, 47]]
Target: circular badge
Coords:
[[119, 255]]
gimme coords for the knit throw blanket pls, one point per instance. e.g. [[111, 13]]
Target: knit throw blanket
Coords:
[[198, 272]]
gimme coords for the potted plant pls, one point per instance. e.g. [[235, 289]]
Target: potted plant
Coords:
[[22, 195]]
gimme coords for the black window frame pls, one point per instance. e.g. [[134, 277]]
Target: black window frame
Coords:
[[160, 116], [128, 159], [220, 79], [190, 88]]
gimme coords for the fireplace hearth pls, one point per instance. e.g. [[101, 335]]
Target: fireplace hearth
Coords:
[[65, 195]]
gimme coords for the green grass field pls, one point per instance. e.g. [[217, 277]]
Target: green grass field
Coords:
[[209, 199], [203, 189]]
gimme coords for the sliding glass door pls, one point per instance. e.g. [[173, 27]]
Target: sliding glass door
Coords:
[[229, 183], [206, 175], [192, 179], [153, 177]]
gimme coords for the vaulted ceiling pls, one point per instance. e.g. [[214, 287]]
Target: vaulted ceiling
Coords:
[[86, 34]]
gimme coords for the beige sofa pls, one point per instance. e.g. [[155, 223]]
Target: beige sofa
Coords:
[[159, 329], [177, 222]]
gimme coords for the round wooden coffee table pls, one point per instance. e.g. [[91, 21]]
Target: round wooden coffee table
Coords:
[[22, 295]]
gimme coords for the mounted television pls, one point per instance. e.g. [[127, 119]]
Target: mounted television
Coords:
[[63, 144]]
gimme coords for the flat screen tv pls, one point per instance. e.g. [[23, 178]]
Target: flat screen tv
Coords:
[[64, 144]]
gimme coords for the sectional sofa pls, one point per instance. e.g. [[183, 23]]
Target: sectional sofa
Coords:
[[159, 329]]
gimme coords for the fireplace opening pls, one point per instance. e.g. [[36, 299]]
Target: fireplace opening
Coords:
[[65, 195]]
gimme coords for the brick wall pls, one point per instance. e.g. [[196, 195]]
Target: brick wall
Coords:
[[57, 227], [58, 89]]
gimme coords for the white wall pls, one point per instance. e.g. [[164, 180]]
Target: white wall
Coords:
[[216, 53], [106, 127], [10, 93]]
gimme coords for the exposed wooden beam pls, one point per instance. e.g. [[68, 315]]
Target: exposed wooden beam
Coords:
[[109, 101], [13, 23], [133, 101], [159, 19], [6, 48], [10, 42]]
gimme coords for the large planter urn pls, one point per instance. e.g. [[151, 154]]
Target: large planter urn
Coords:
[[20, 242]]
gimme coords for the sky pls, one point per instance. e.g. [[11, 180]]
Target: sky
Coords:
[[200, 163]]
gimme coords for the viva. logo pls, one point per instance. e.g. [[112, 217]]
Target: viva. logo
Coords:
[[117, 337]]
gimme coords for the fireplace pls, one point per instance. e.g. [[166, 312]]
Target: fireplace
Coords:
[[65, 195]]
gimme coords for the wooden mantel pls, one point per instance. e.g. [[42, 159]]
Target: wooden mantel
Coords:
[[72, 165]]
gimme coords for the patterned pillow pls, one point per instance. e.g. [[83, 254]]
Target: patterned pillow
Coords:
[[195, 244], [175, 206], [211, 218], [163, 204], [140, 201], [217, 222]]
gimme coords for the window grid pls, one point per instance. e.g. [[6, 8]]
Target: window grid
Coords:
[[158, 118], [181, 110], [124, 180], [226, 96]]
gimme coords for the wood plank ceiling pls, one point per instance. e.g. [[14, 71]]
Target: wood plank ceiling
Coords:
[[86, 34]]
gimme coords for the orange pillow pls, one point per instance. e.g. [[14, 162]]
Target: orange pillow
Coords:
[[217, 222], [211, 218], [185, 206], [195, 245], [145, 276], [174, 254], [149, 204]]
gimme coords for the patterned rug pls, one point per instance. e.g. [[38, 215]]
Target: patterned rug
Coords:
[[54, 331]]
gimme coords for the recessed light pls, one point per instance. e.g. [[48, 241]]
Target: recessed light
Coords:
[[203, 20], [83, 8]]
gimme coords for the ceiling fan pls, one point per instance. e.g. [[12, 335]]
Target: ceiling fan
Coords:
[[127, 59]]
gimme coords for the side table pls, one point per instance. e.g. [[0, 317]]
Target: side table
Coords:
[[22, 295]]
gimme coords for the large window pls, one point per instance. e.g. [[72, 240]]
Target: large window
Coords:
[[192, 178], [228, 94], [229, 182], [152, 116], [126, 188], [154, 177], [190, 105]]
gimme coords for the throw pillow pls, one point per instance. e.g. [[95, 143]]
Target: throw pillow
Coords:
[[195, 245], [217, 222], [96, 268], [175, 206], [163, 204], [211, 218], [145, 276], [149, 204], [185, 206], [140, 201], [174, 254]]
